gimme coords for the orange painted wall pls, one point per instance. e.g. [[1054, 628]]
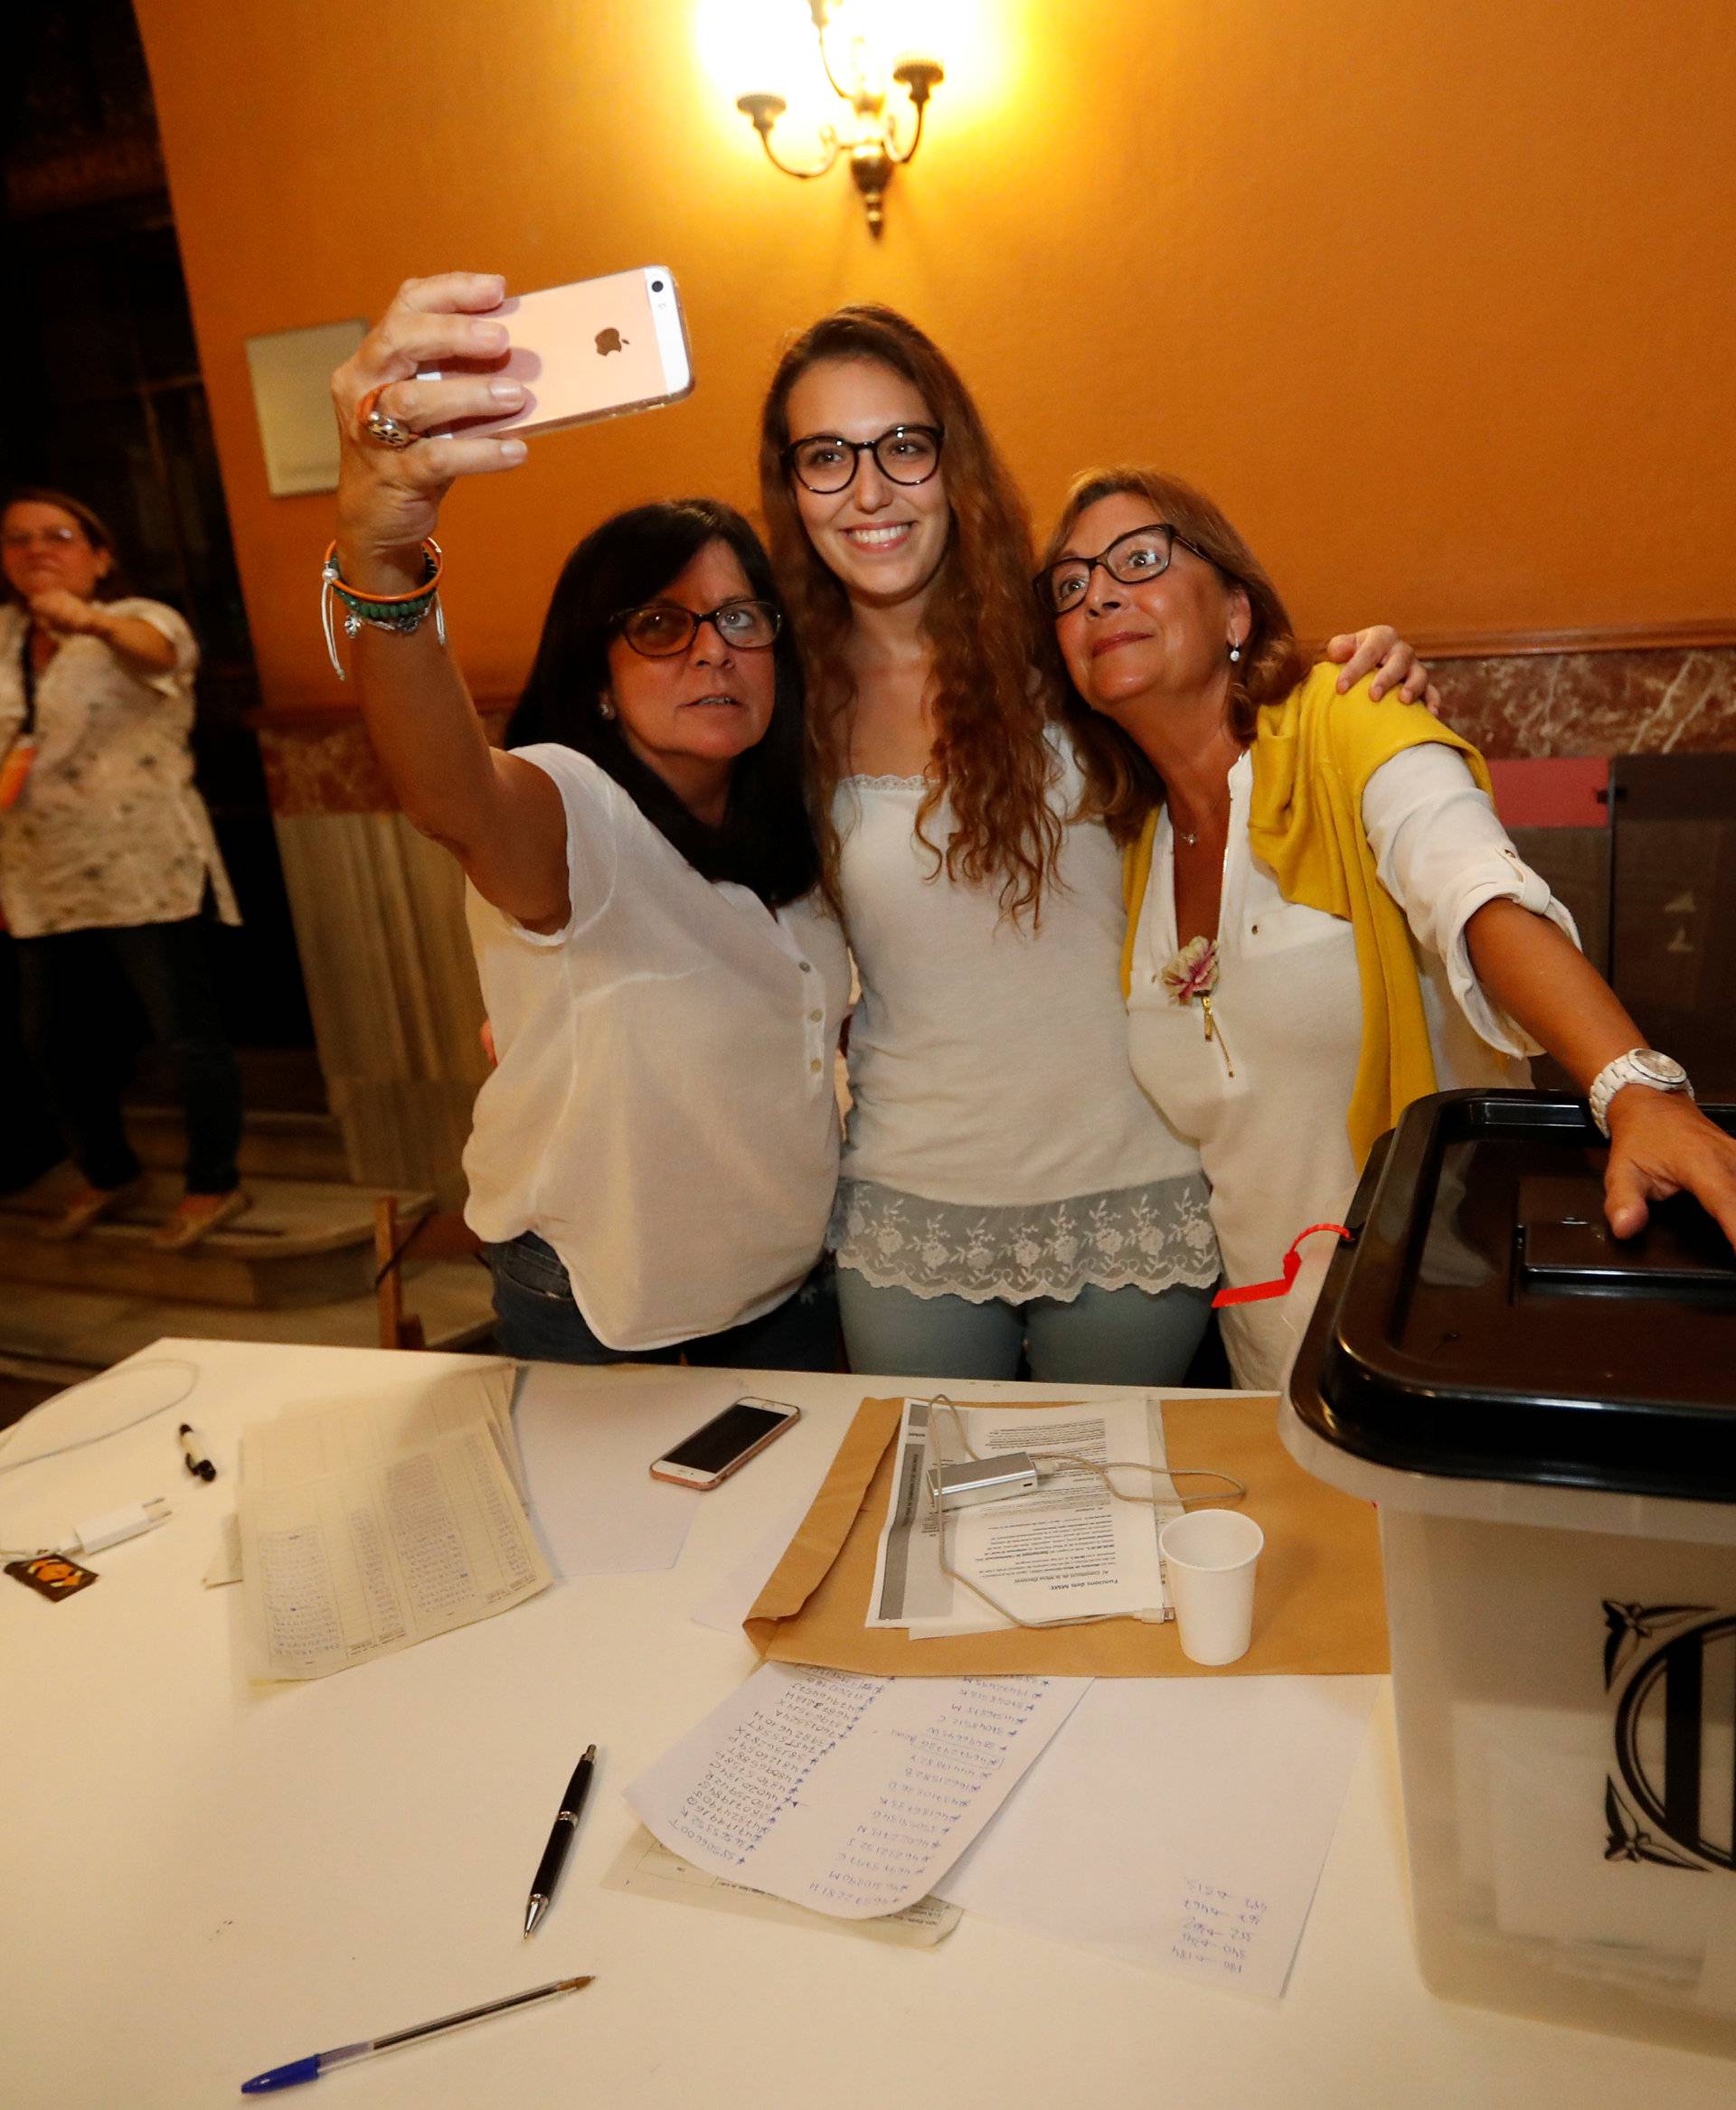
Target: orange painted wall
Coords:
[[1436, 299]]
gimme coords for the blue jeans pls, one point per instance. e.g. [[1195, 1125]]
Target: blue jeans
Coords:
[[1129, 1336], [538, 1319]]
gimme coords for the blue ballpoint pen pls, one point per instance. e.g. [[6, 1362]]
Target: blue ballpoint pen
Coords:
[[311, 2068]]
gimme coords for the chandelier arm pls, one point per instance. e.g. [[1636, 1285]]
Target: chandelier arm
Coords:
[[806, 175], [843, 93], [902, 160]]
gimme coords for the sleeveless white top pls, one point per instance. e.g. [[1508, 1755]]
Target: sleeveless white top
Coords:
[[998, 1144]]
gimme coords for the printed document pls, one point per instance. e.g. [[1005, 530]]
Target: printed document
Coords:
[[848, 1794], [1072, 1551], [370, 1524]]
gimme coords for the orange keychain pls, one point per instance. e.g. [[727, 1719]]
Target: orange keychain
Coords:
[[15, 770]]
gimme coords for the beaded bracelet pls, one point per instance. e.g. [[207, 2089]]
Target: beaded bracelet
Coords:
[[400, 613]]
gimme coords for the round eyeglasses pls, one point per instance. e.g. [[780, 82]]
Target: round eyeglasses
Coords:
[[825, 464], [660, 629], [1142, 553]]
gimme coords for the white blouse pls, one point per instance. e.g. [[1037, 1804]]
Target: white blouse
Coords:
[[1272, 1135], [997, 1144], [108, 830], [663, 1111]]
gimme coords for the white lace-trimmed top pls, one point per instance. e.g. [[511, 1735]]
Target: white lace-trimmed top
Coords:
[[109, 829], [998, 1144]]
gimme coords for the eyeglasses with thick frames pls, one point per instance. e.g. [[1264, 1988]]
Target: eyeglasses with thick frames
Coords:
[[825, 464], [1142, 553], [661, 629]]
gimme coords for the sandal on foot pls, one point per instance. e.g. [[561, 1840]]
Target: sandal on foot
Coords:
[[89, 1206], [196, 1216]]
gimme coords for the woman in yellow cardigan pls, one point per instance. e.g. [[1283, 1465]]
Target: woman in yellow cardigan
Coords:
[[1325, 919]]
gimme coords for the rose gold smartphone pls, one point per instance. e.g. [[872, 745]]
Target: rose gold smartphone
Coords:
[[597, 348], [725, 1443]]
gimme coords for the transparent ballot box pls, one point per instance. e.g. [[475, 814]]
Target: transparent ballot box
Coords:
[[1546, 1417]]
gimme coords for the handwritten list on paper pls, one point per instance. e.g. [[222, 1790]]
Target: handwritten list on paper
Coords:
[[1181, 1823], [1215, 1938], [846, 1794]]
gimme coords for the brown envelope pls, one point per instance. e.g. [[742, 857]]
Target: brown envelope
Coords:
[[1317, 1603]]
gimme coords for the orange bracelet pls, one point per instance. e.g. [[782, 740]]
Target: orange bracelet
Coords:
[[400, 612], [432, 556]]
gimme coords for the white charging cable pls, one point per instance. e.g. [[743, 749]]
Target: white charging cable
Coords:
[[95, 1534]]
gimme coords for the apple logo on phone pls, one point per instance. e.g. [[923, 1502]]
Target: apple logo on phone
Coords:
[[610, 341]]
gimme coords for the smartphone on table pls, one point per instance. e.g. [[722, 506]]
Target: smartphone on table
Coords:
[[725, 1443], [599, 348]]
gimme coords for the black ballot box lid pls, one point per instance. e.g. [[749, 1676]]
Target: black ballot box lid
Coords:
[[1484, 1323]]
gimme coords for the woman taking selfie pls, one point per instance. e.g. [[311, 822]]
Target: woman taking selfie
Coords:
[[653, 1158], [1328, 921], [1006, 1186]]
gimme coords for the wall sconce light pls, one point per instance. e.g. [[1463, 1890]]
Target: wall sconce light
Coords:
[[870, 138]]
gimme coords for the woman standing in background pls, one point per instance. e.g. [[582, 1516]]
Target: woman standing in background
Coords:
[[106, 848]]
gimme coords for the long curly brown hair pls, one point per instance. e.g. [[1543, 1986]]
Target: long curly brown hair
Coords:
[[996, 678], [1121, 787]]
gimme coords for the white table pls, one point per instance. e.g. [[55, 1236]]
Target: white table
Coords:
[[200, 1880]]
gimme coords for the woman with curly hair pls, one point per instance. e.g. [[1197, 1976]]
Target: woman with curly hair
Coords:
[[1006, 1187]]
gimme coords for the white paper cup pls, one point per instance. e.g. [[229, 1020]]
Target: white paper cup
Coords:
[[1209, 1556]]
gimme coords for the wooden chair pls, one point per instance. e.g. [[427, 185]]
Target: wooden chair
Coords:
[[440, 1234]]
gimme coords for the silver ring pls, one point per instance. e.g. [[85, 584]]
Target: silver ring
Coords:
[[388, 431]]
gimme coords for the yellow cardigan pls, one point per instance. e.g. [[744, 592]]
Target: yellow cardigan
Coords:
[[1314, 754]]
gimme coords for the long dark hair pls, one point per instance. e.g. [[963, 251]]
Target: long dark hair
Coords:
[[766, 840], [112, 586], [995, 674]]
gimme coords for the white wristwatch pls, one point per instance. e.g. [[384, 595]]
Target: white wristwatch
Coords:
[[1643, 1066]]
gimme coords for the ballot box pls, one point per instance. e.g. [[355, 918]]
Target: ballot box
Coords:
[[1546, 1419]]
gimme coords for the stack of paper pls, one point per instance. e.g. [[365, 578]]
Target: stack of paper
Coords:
[[1083, 1547], [372, 1522], [1176, 1823], [850, 1795]]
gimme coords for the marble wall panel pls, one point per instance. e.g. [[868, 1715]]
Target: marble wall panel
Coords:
[[1663, 700], [1673, 700]]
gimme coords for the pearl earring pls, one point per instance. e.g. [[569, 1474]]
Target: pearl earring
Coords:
[[1235, 653], [605, 708]]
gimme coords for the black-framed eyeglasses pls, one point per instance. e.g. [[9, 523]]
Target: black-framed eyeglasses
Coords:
[[1142, 553], [660, 629], [824, 463]]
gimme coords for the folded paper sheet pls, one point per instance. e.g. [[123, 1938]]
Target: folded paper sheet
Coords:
[[1318, 1608], [850, 1795]]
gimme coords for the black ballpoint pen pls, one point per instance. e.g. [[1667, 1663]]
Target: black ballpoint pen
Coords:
[[554, 1854]]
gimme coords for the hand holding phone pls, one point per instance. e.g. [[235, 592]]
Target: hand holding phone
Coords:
[[601, 348], [725, 1443], [437, 365]]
